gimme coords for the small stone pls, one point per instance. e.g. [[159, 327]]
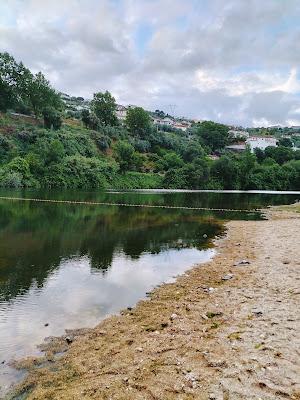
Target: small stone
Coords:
[[227, 277], [173, 316], [46, 324], [139, 349], [209, 290], [69, 340], [258, 313], [242, 262], [205, 235]]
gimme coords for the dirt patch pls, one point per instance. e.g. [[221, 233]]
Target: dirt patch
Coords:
[[228, 329]]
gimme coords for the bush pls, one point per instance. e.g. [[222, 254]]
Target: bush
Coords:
[[52, 118], [11, 179]]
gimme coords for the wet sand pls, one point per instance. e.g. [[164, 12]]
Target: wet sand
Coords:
[[226, 330]]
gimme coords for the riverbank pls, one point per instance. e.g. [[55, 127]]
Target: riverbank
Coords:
[[228, 329]]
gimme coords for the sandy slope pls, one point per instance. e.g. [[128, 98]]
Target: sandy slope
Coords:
[[240, 340]]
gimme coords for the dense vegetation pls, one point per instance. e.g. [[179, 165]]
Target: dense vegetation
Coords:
[[46, 149]]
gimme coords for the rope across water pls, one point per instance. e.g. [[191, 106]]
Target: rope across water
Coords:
[[99, 203]]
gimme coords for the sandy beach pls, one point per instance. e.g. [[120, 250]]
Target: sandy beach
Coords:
[[226, 330]]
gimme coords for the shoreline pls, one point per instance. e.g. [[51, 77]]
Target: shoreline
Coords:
[[223, 330]]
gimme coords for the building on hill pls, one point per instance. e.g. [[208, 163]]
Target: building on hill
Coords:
[[121, 112], [182, 125], [163, 121], [167, 121], [261, 142], [65, 96]]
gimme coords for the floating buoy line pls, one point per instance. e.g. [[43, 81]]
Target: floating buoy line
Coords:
[[100, 203]]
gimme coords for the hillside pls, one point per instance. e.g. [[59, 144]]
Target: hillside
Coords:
[[112, 157], [100, 145]]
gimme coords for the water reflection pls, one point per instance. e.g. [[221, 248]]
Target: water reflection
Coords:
[[69, 266], [35, 237]]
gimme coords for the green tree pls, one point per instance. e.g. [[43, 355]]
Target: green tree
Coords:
[[104, 106], [213, 135], [172, 160], [90, 120], [52, 118], [246, 163], [175, 179], [20, 89], [41, 95], [192, 151], [138, 121], [285, 142], [124, 154], [13, 82], [225, 170], [280, 154]]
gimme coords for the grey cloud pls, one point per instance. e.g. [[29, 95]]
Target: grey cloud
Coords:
[[85, 46]]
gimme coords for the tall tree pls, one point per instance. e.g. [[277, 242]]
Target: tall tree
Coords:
[[213, 135], [19, 88], [104, 106], [41, 95], [14, 79], [138, 121]]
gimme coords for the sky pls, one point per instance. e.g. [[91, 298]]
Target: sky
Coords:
[[230, 61]]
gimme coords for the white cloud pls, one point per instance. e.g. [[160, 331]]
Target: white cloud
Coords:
[[228, 60]]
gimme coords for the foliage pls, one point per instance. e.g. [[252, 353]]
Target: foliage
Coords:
[[138, 121], [124, 153], [286, 142], [72, 156], [52, 118], [23, 91], [92, 152], [104, 107], [213, 135]]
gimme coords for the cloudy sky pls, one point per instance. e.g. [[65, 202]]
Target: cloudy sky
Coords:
[[234, 61]]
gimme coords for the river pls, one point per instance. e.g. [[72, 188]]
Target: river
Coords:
[[65, 266]]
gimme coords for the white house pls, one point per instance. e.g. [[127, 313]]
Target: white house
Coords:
[[261, 142], [121, 112], [167, 121]]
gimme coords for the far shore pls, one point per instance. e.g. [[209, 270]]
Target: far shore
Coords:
[[225, 330]]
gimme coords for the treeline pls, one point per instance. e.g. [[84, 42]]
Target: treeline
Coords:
[[50, 149]]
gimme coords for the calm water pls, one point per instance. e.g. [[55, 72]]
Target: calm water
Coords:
[[70, 266]]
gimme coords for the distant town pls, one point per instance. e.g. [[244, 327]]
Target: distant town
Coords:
[[242, 138]]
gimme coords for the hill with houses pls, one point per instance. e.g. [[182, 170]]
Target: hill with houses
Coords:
[[50, 139]]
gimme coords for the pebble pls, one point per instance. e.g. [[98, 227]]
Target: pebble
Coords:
[[209, 290], [257, 312], [69, 340], [139, 349], [227, 277], [173, 316], [242, 262]]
